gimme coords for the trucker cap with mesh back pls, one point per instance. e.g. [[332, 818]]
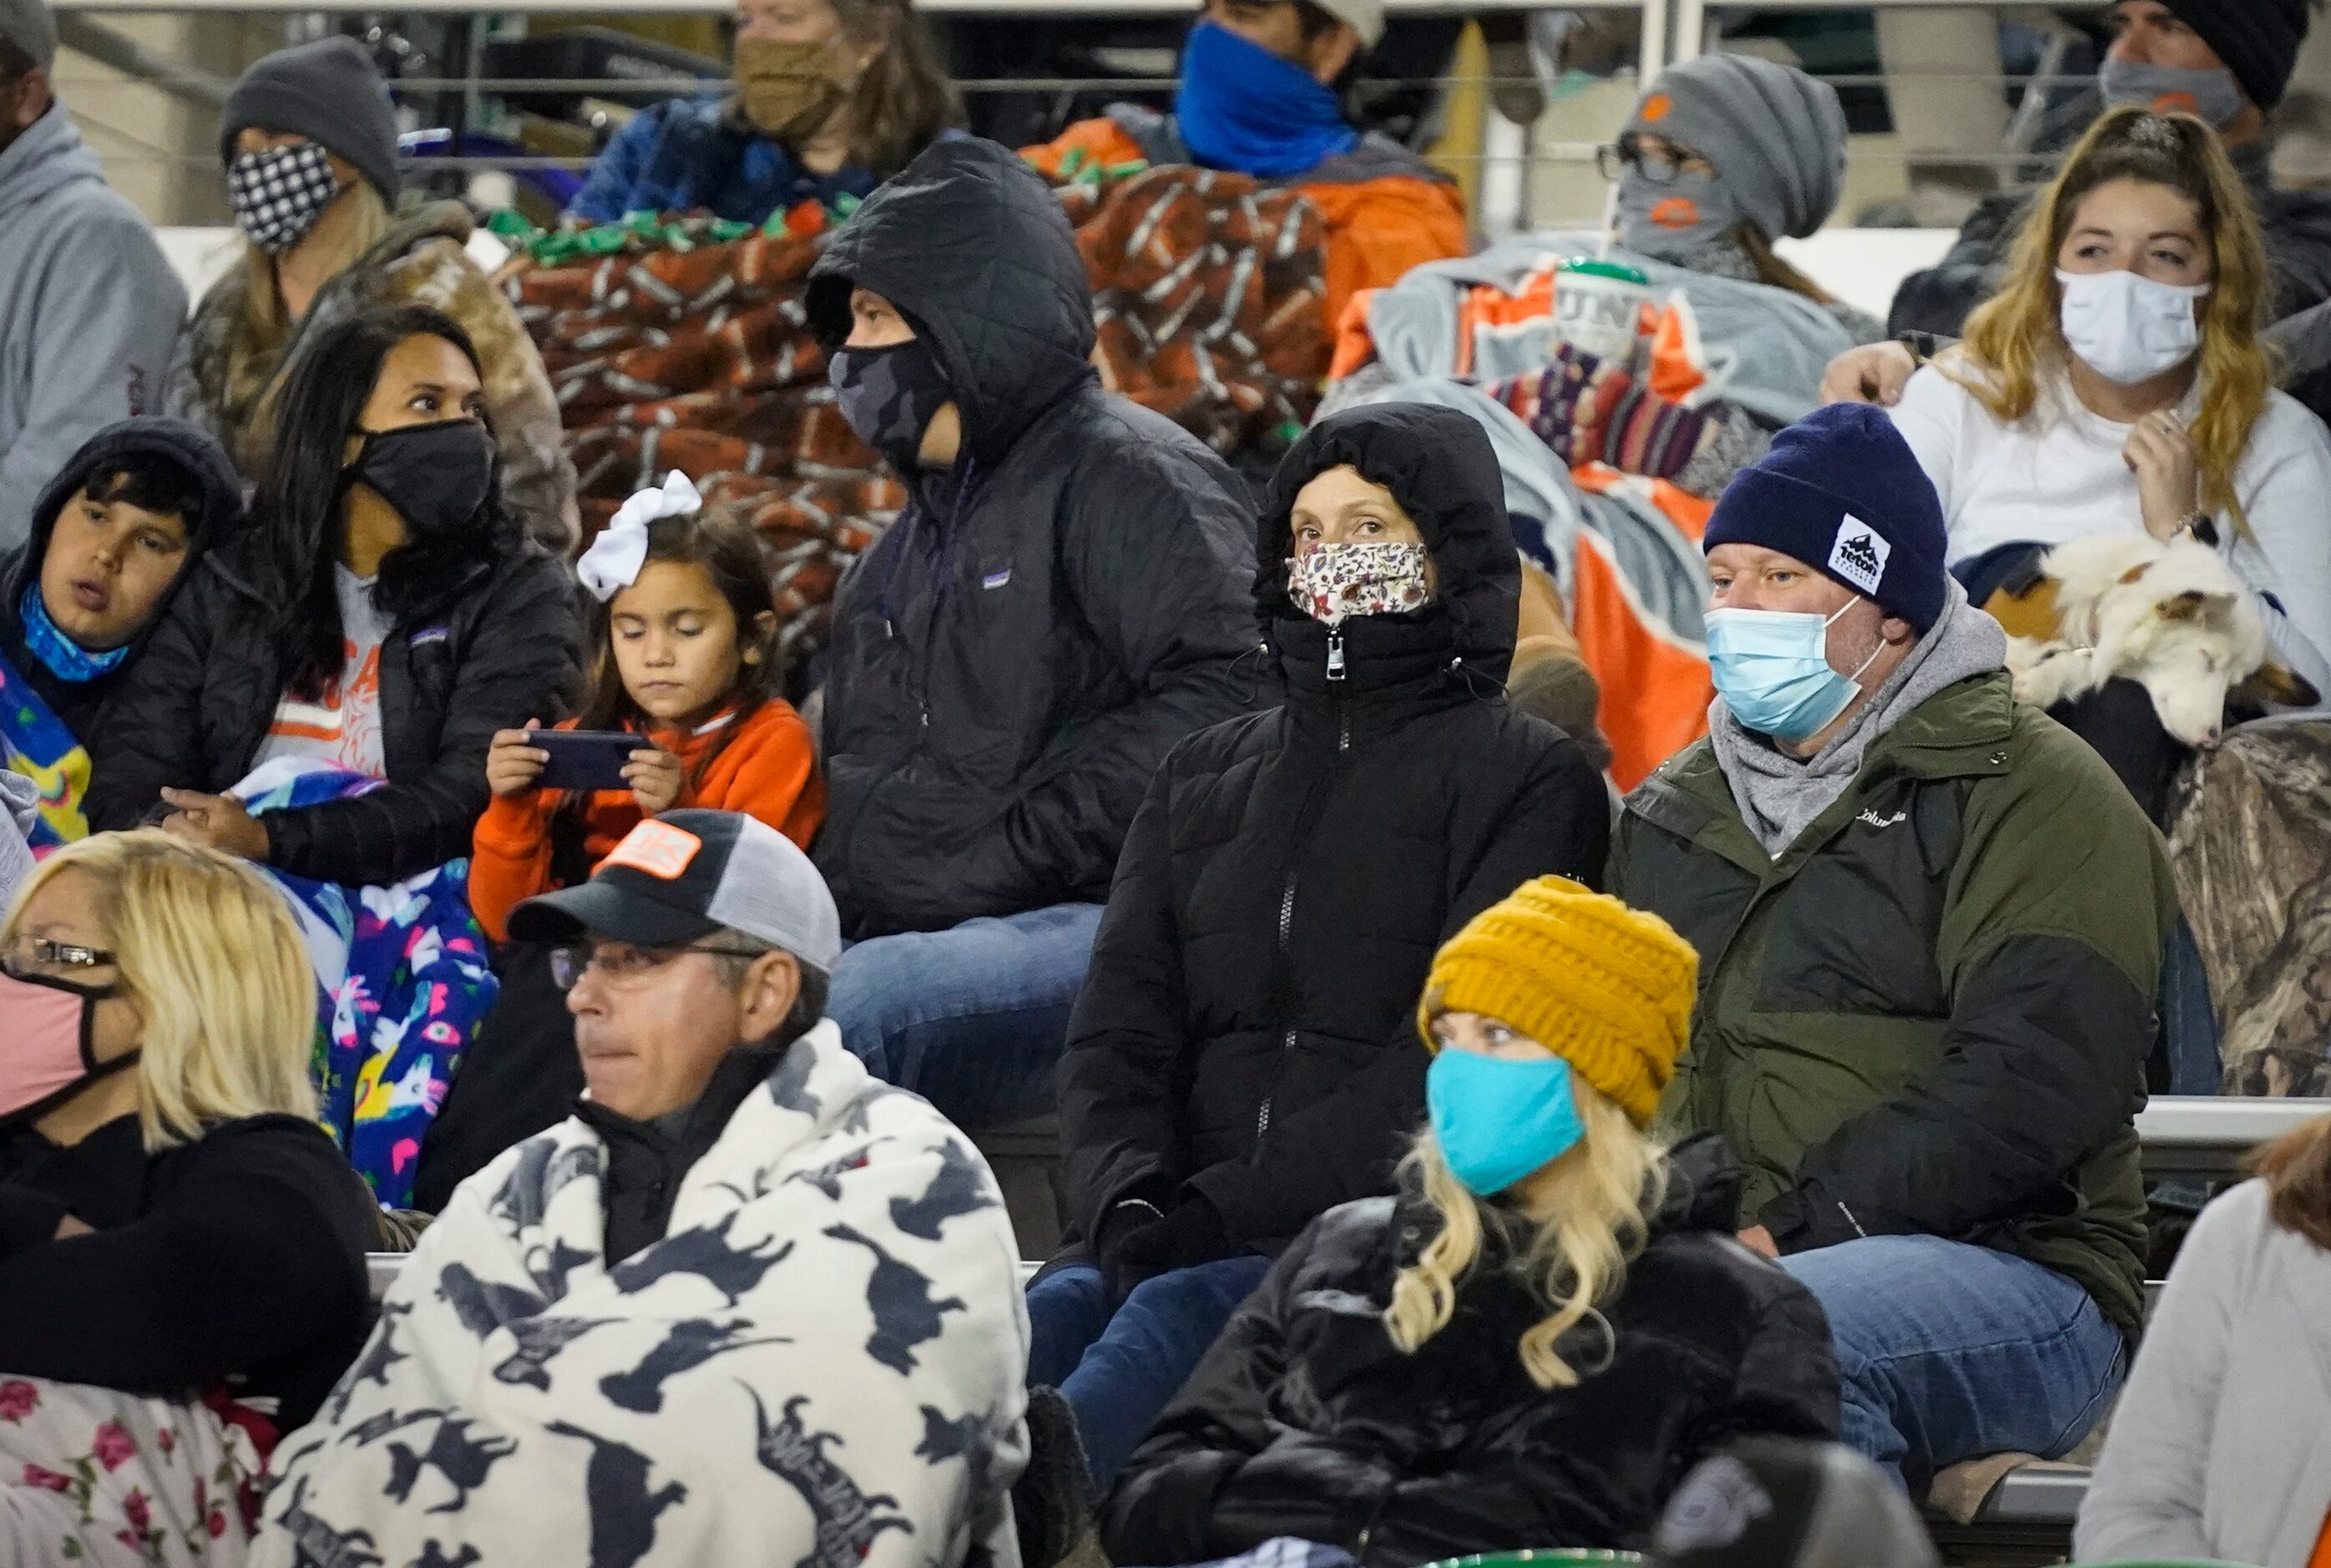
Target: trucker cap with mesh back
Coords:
[[685, 876]]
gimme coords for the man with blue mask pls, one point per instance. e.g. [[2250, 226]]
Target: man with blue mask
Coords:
[[1929, 923], [1261, 94], [2225, 61]]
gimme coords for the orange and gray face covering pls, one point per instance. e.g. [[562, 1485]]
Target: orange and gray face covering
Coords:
[[1775, 136]]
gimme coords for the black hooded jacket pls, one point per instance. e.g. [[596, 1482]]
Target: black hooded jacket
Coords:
[[1015, 656], [1247, 1031], [1305, 1419], [500, 644], [219, 514]]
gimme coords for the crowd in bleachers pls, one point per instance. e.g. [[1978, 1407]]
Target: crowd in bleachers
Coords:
[[1594, 856]]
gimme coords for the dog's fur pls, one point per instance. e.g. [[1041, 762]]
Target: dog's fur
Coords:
[[2172, 617]]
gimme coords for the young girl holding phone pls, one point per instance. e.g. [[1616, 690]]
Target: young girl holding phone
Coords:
[[688, 661]]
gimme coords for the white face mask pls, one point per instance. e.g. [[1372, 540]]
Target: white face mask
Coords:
[[2129, 329]]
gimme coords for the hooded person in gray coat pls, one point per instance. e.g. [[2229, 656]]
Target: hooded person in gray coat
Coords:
[[89, 308]]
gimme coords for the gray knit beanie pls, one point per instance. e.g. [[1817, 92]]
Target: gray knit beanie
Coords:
[[1775, 136], [29, 26], [328, 91]]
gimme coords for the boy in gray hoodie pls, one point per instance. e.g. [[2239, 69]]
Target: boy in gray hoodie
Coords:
[[89, 310]]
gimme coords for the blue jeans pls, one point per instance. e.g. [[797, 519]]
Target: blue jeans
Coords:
[[1950, 1352], [972, 1019], [1119, 1370]]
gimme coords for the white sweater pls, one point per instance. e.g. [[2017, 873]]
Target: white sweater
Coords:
[[2058, 475], [2221, 1447]]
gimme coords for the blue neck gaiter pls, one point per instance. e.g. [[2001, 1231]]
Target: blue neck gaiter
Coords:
[[1241, 107], [65, 659]]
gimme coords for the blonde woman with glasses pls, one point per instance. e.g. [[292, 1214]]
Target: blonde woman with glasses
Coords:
[[182, 1272], [1540, 1336]]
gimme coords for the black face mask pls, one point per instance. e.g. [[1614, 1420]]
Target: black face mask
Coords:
[[436, 476], [890, 396]]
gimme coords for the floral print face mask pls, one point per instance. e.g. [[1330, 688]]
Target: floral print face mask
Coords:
[[1339, 579]]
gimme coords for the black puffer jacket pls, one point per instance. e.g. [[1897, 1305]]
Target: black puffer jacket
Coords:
[[501, 644], [1304, 1420], [218, 516], [1012, 659], [1247, 1031]]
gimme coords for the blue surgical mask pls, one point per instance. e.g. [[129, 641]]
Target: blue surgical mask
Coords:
[[1498, 1120], [2212, 97], [1241, 107], [1771, 670]]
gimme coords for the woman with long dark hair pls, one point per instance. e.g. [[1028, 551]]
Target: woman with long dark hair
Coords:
[[384, 614]]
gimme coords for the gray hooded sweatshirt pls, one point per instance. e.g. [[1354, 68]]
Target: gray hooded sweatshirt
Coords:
[[88, 310], [20, 804]]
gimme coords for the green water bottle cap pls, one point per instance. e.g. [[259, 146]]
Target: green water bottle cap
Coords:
[[1618, 272]]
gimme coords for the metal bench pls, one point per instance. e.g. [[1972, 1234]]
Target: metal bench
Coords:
[[2203, 1135]]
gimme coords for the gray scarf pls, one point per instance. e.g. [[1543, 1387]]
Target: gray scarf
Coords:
[[1779, 795]]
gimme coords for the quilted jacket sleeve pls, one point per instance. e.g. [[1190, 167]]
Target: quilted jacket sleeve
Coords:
[[149, 735], [1344, 1146], [522, 663], [1124, 1071]]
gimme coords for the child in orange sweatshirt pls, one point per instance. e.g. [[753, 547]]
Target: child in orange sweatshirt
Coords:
[[688, 657]]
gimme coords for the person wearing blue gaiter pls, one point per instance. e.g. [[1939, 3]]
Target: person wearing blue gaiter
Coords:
[[1261, 93], [1545, 1329]]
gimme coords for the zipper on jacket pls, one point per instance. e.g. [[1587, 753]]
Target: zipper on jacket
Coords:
[[1287, 1041], [1334, 656]]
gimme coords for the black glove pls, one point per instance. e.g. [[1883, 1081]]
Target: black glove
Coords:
[[1191, 1233], [1125, 1220]]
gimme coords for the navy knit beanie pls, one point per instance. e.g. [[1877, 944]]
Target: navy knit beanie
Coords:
[[1841, 491]]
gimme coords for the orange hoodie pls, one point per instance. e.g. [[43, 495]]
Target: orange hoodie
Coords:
[[768, 771]]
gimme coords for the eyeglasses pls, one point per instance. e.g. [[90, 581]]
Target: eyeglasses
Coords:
[[1614, 158], [27, 953], [622, 961]]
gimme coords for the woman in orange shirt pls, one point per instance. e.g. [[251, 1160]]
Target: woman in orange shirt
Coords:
[[687, 659]]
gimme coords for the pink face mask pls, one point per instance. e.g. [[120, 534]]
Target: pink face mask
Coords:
[[48, 1056]]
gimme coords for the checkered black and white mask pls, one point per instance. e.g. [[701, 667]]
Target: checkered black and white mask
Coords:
[[278, 195]]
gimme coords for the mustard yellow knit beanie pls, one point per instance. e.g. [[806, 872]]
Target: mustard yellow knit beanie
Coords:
[[1607, 988]]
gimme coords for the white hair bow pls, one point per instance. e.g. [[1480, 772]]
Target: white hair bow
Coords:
[[612, 562]]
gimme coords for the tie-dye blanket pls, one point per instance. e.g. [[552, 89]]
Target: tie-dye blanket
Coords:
[[35, 742], [404, 980], [817, 1366]]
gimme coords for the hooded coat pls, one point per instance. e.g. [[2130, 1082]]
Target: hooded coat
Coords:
[[1042, 623], [89, 310], [1305, 1419], [1247, 1031], [220, 513]]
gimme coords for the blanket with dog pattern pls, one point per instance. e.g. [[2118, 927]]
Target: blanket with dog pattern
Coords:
[[819, 1367]]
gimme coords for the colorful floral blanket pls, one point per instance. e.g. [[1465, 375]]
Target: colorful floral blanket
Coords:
[[818, 1367], [680, 343], [103, 1480], [404, 982], [35, 743]]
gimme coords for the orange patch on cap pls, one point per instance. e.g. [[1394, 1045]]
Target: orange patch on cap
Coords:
[[1656, 107], [659, 848], [2177, 103], [1675, 213]]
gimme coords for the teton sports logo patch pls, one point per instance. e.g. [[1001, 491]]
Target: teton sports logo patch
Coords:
[[1860, 555]]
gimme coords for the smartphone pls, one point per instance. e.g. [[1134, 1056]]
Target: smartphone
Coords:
[[587, 759]]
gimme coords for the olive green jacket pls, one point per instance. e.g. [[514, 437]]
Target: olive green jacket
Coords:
[[1930, 1015]]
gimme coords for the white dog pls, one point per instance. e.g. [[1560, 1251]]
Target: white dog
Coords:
[[2172, 617]]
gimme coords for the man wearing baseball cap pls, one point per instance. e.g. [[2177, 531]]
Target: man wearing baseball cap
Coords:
[[1929, 922], [1261, 93], [747, 1305], [89, 310]]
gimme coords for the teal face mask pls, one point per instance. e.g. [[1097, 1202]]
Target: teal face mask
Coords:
[[1498, 1120], [1772, 669]]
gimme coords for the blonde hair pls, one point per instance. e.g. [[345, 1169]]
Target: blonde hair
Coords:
[[2016, 336], [1595, 1197], [357, 221], [210, 960]]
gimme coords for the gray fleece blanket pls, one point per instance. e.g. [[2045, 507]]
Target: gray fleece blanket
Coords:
[[21, 798]]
